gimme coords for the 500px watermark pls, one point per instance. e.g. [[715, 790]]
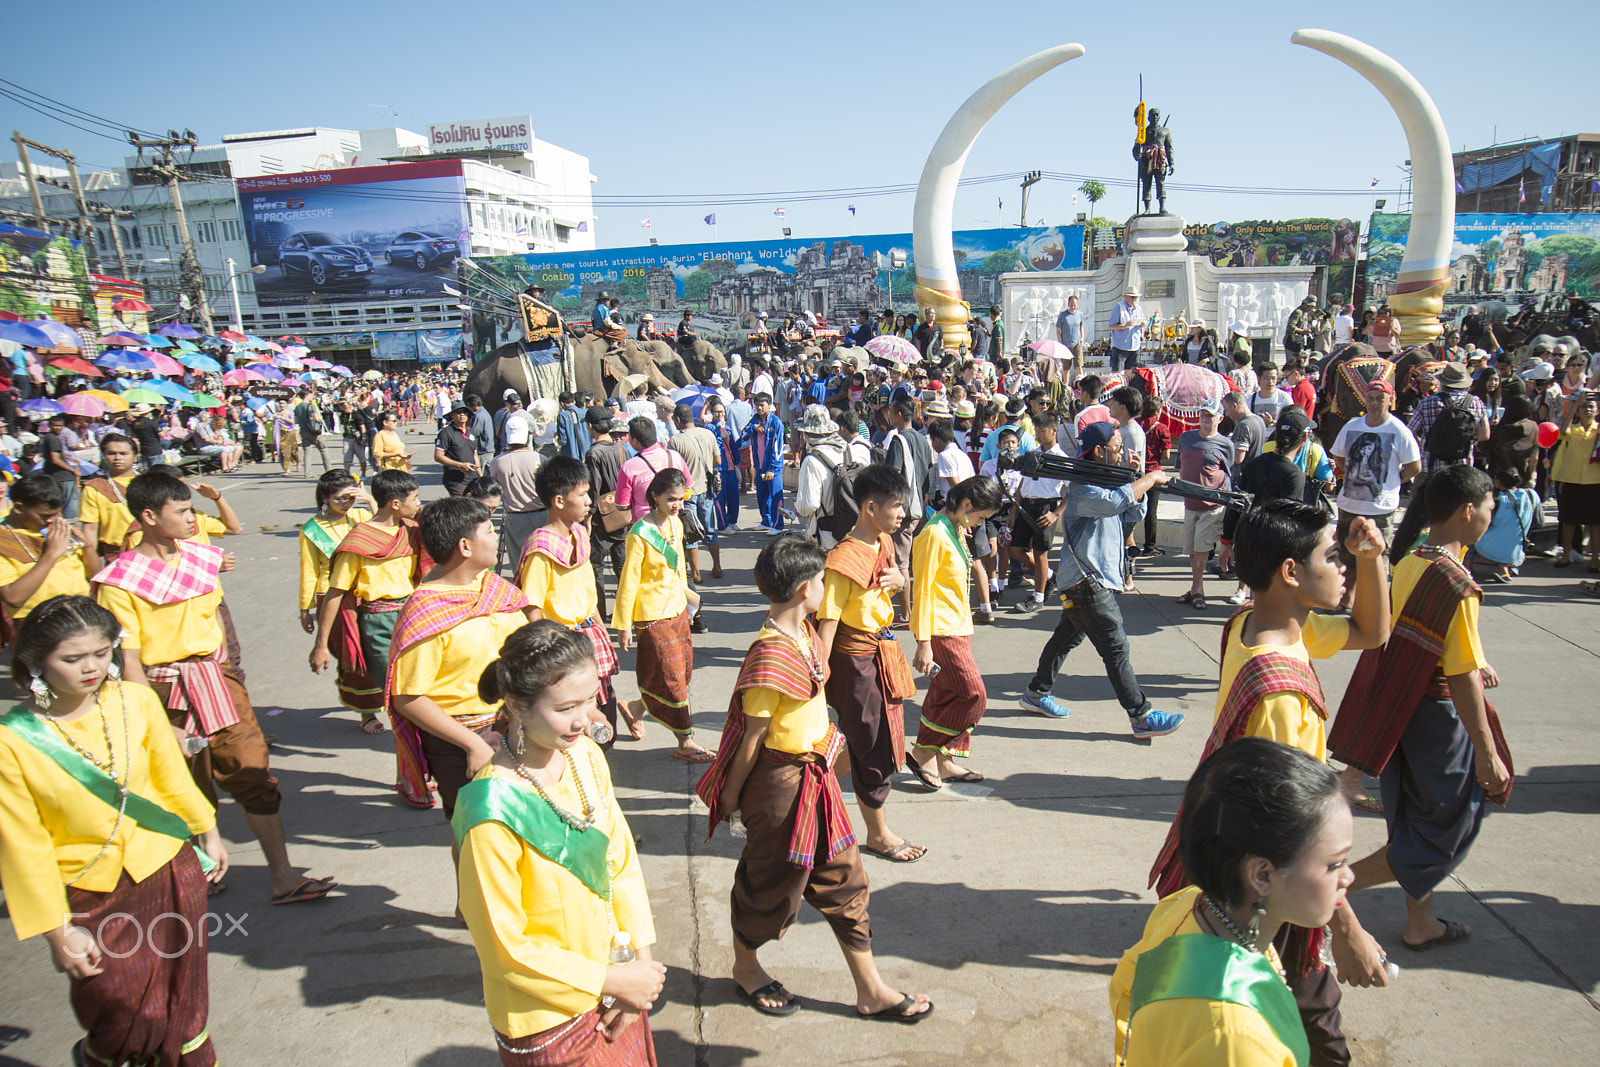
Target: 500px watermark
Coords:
[[210, 925]]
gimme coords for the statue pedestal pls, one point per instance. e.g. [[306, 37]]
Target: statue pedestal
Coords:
[[1154, 233], [1170, 282]]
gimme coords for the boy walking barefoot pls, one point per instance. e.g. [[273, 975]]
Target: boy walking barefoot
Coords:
[[775, 768], [868, 677]]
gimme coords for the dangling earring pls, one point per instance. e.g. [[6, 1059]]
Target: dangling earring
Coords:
[[1258, 910], [114, 670], [522, 741], [41, 692]]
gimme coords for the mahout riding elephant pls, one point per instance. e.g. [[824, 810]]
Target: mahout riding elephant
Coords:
[[597, 367]]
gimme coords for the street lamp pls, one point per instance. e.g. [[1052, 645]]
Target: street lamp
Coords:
[[233, 289]]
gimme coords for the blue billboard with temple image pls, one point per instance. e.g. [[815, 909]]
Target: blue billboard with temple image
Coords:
[[830, 279]]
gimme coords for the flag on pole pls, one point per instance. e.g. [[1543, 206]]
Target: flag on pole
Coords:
[[1522, 190], [522, 231], [1001, 204], [852, 208], [1374, 183], [1594, 187], [778, 212], [711, 220], [645, 222], [583, 227], [1459, 187]]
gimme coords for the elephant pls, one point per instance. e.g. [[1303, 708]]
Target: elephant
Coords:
[[596, 369]]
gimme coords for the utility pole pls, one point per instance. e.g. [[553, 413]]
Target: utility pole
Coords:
[[86, 232], [189, 277], [27, 173], [111, 215], [1031, 178]]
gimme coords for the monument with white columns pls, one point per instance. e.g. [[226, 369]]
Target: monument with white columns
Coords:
[[1172, 284]]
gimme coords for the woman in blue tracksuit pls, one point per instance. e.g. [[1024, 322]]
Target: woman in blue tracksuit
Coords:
[[727, 498], [763, 435]]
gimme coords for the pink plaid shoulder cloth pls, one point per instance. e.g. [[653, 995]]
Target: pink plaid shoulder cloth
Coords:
[[193, 574]]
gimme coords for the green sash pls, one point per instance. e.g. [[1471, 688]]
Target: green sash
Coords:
[[585, 855], [318, 535], [652, 536], [943, 522], [1202, 967], [147, 813]]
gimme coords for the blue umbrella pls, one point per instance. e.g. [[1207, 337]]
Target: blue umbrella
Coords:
[[186, 346], [123, 359], [267, 371], [178, 329], [152, 340], [42, 407], [23, 334], [198, 361], [61, 335], [255, 403], [694, 396], [170, 389]]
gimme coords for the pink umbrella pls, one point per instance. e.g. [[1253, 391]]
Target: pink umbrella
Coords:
[[274, 346], [1052, 348], [164, 364], [242, 376], [294, 383], [319, 364], [82, 404], [896, 348]]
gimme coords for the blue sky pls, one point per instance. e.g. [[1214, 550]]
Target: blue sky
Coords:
[[720, 98]]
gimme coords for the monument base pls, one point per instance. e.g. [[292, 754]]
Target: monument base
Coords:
[[1171, 284]]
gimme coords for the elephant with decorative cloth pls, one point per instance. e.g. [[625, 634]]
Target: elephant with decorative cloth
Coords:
[[597, 367]]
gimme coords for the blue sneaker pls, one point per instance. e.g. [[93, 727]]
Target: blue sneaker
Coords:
[[1156, 724], [1044, 705]]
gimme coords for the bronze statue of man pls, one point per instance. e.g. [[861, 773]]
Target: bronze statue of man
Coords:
[[1155, 160]]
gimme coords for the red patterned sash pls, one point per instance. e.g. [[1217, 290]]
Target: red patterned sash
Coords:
[[431, 611], [193, 573]]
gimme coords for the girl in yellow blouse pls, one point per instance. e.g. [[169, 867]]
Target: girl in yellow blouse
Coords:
[[546, 927], [1265, 834], [338, 494], [654, 604], [1575, 469], [388, 451], [96, 810], [941, 623]]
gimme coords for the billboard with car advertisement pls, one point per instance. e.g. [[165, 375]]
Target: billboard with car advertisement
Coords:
[[364, 233]]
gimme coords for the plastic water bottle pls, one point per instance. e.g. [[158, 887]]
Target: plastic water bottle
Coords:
[[194, 744], [599, 732], [621, 952], [736, 826]]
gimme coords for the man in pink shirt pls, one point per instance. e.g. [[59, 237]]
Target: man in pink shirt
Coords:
[[1089, 387], [649, 459]]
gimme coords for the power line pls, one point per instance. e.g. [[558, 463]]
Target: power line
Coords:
[[32, 106], [121, 128]]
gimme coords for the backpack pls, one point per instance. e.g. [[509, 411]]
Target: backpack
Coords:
[[838, 512], [1454, 430]]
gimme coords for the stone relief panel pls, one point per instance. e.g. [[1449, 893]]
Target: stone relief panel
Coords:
[[1257, 303], [1031, 309]]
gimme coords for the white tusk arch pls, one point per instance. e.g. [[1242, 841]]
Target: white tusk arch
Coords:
[[1419, 291], [938, 286]]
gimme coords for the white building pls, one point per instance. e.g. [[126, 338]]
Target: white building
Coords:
[[533, 197]]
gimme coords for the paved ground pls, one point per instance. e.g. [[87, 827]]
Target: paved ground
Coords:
[[1033, 886]]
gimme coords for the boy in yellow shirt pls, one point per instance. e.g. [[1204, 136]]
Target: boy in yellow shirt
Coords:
[[38, 559], [448, 632], [1289, 559], [165, 594], [776, 769], [103, 506], [556, 576]]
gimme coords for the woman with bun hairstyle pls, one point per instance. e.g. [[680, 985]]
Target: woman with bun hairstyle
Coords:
[[549, 881], [97, 808]]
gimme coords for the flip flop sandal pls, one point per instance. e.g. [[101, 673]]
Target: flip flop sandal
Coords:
[[1592, 588], [933, 784], [421, 805], [965, 776], [771, 990], [369, 722], [1453, 933], [1370, 805], [1187, 598], [897, 854], [703, 755], [1198, 603], [308, 889], [897, 1013]]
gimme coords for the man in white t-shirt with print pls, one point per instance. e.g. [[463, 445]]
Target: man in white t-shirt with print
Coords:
[[1376, 455]]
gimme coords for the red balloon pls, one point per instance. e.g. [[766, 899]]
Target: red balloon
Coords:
[[1549, 434]]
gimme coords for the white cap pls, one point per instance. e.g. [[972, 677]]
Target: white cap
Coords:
[[516, 431], [716, 378], [509, 393]]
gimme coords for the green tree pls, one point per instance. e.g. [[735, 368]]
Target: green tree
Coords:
[[697, 286], [1094, 190], [630, 289], [1003, 260]]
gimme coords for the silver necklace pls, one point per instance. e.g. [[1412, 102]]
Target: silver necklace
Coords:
[[806, 653], [590, 812], [1233, 927]]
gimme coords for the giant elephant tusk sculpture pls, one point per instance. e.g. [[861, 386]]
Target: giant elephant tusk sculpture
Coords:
[[938, 286], [1424, 273]]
